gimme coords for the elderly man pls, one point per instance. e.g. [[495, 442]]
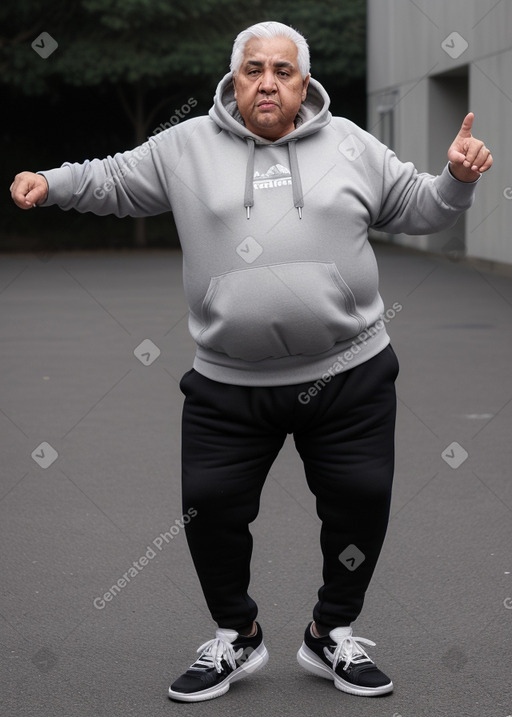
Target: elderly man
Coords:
[[273, 198]]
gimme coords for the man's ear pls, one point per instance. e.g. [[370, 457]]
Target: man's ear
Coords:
[[305, 87], [234, 86]]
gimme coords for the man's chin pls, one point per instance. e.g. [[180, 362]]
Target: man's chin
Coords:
[[267, 126]]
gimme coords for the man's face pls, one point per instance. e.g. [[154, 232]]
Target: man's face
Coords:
[[269, 88]]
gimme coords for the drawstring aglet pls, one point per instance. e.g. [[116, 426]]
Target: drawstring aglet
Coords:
[[248, 212], [299, 209]]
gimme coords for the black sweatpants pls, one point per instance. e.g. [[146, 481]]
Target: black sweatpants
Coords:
[[344, 434]]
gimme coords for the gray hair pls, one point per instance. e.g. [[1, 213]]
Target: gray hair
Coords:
[[270, 29]]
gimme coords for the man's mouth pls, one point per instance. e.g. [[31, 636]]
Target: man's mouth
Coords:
[[266, 104]]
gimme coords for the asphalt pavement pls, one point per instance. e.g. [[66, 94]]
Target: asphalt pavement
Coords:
[[100, 608]]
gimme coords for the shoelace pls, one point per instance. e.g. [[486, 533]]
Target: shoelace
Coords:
[[213, 652], [350, 651]]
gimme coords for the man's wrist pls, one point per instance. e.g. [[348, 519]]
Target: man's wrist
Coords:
[[463, 174], [43, 200]]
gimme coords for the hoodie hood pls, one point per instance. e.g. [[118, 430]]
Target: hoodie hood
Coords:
[[313, 115]]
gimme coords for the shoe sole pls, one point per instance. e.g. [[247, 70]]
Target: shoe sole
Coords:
[[312, 663], [255, 662]]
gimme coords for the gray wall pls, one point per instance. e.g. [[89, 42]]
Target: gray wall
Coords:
[[430, 62]]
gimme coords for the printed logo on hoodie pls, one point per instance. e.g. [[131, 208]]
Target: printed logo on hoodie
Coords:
[[277, 176]]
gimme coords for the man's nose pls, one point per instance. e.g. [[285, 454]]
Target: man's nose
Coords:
[[268, 82]]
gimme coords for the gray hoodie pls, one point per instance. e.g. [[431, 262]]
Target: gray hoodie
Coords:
[[281, 281]]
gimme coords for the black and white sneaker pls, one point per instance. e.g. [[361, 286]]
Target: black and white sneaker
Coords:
[[340, 657], [223, 660]]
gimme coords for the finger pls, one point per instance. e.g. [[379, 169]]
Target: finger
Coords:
[[483, 161], [24, 195], [19, 191], [467, 124], [21, 198], [472, 149], [27, 190], [36, 195], [487, 164], [455, 156]]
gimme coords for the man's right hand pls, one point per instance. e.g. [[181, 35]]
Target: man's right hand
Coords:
[[29, 189]]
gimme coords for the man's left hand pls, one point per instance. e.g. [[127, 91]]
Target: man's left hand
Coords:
[[468, 156]]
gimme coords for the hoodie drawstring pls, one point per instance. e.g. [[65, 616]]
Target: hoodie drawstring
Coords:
[[249, 178], [298, 198]]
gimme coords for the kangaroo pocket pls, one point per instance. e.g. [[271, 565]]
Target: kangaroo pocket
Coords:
[[278, 310]]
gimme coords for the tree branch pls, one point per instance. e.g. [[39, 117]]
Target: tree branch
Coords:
[[125, 105], [21, 36], [158, 107]]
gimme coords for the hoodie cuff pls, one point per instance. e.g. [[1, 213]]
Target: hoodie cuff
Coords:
[[454, 192], [60, 185]]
